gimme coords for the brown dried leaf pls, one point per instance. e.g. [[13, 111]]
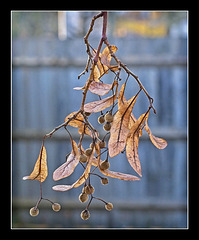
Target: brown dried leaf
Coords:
[[96, 74], [103, 62], [80, 181], [120, 126], [158, 142], [119, 175], [106, 56], [85, 129], [100, 105], [109, 173], [132, 143], [40, 171], [77, 122], [100, 88], [67, 168]]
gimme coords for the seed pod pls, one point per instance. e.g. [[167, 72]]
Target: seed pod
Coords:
[[85, 214], [107, 126], [83, 197], [83, 158], [104, 165], [108, 117], [34, 212], [102, 144], [109, 206], [56, 207], [104, 181], [88, 151], [89, 189], [101, 119]]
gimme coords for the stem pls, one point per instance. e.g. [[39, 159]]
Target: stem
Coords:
[[103, 38]]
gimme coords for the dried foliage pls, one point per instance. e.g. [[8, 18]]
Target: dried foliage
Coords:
[[40, 171], [123, 130]]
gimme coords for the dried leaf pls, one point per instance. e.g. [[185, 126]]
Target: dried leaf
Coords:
[[119, 175], [109, 173], [106, 56], [80, 181], [77, 122], [96, 74], [100, 88], [158, 142], [103, 62], [100, 105], [40, 171], [120, 126], [67, 168], [132, 143]]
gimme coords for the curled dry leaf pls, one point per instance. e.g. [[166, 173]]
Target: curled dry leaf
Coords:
[[67, 168], [40, 171], [132, 143], [78, 122], [102, 104], [106, 57], [109, 173], [80, 181], [103, 63], [100, 88], [120, 126], [158, 142]]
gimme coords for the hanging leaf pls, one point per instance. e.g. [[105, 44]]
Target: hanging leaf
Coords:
[[109, 173], [120, 126], [132, 143], [103, 63], [80, 181], [78, 122], [106, 57], [40, 171], [100, 88], [67, 168], [96, 74], [100, 105], [158, 142]]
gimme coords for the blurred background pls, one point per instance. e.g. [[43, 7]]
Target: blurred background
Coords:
[[48, 54]]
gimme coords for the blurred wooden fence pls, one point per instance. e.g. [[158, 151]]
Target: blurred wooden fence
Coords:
[[43, 76]]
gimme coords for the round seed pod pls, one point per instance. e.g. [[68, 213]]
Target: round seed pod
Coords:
[[104, 165], [107, 126], [104, 181], [89, 189], [85, 214], [88, 151], [108, 117], [101, 119], [83, 158], [102, 144], [56, 207], [109, 206], [83, 197], [34, 212]]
